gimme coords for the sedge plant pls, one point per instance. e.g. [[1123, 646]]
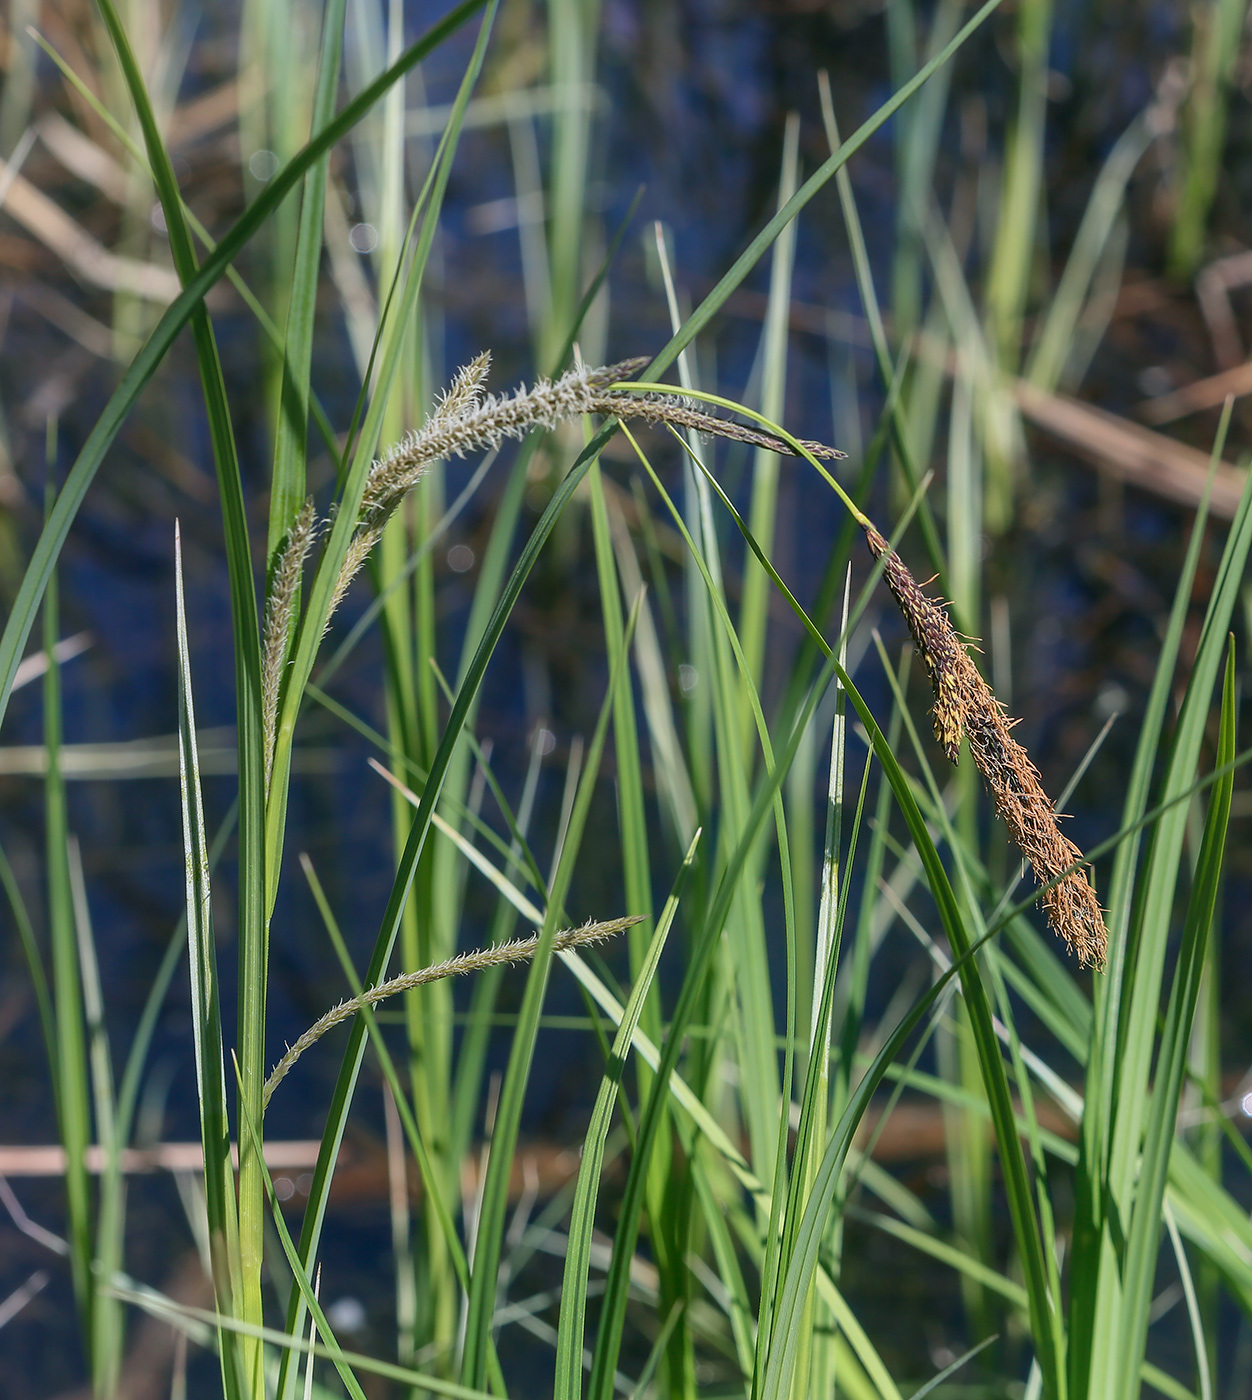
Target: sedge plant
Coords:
[[743, 1088]]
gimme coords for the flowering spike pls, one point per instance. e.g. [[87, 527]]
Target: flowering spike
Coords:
[[965, 707]]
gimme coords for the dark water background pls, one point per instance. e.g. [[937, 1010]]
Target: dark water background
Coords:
[[697, 97]]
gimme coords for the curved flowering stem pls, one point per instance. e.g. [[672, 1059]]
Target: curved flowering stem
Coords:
[[966, 707], [467, 419]]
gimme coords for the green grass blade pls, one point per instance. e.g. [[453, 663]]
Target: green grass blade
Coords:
[[189, 1319], [763, 509], [1214, 58], [106, 1314], [484, 1279], [669, 1227], [951, 1255], [206, 1020], [569, 1356], [593, 287], [632, 819], [775, 1383], [287, 489], [1013, 254], [253, 924], [1059, 323], [323, 588], [1202, 1345], [471, 1062], [895, 408], [752, 254], [676, 794], [759, 1092], [1164, 1384], [572, 31], [72, 1082], [704, 942], [307, 1292], [1145, 1222], [916, 149], [1101, 1064], [136, 152], [466, 696], [34, 961], [1021, 1208], [936, 1381], [307, 643], [430, 1178], [1142, 969], [1026, 1226], [815, 1099], [137, 1055]]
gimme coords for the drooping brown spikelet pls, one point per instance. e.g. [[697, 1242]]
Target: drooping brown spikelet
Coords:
[[966, 707]]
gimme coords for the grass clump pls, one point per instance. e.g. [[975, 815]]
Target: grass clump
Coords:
[[816, 918]]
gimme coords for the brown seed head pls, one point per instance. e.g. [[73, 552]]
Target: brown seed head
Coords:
[[965, 707]]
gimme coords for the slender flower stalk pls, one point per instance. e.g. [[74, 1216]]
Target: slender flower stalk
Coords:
[[518, 950]]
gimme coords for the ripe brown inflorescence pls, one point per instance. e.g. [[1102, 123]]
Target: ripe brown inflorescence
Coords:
[[965, 707]]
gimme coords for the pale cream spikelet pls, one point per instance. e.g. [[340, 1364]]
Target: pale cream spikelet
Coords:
[[517, 950], [468, 421], [465, 420], [466, 390], [360, 547], [280, 607], [966, 707]]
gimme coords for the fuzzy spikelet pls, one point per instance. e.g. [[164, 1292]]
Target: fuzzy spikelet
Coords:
[[518, 950], [679, 412], [966, 707], [466, 422], [279, 615], [465, 419], [360, 547], [465, 392]]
